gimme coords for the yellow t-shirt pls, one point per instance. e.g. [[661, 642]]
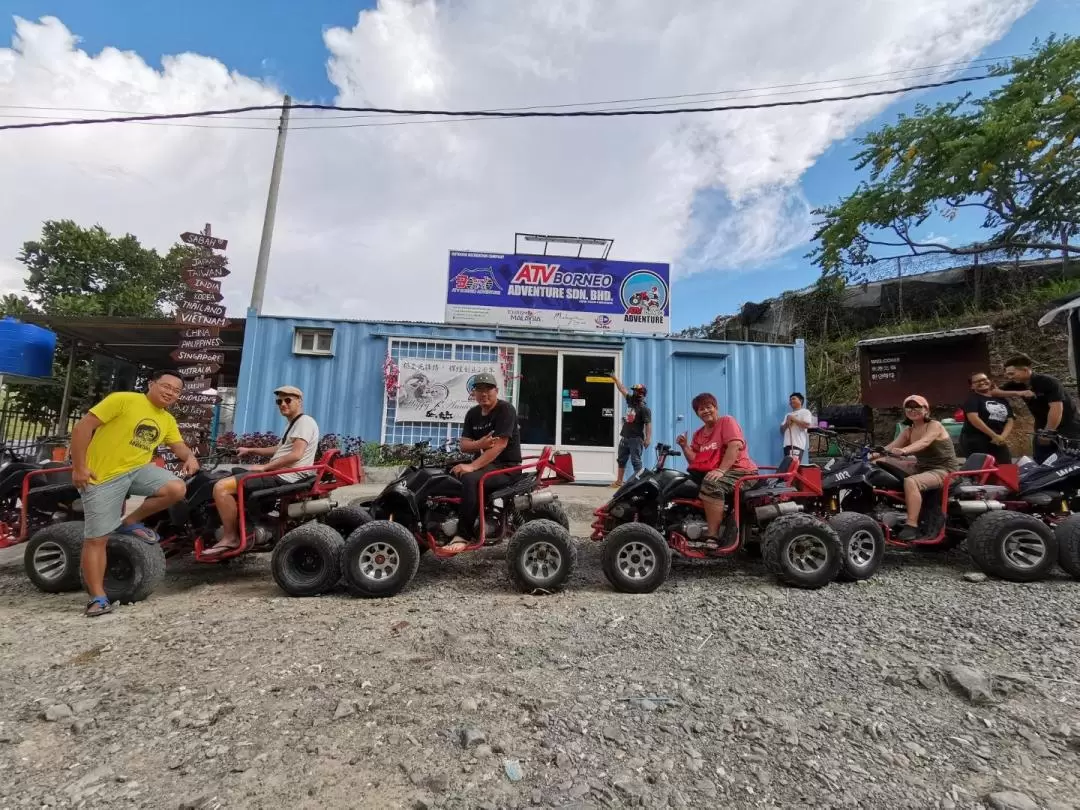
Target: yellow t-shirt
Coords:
[[132, 429]]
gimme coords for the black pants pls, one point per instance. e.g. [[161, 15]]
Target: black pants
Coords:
[[470, 496], [982, 444]]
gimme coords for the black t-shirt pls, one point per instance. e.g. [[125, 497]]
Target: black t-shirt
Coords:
[[1048, 390], [637, 417], [501, 421], [995, 412]]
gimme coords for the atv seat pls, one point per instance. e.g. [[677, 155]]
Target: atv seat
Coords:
[[893, 468], [273, 493], [1043, 499], [522, 485], [51, 489], [770, 487]]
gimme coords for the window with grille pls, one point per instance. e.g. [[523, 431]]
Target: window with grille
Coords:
[[313, 341], [437, 433]]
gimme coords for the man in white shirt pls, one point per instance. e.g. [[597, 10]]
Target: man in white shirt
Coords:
[[297, 449], [796, 427]]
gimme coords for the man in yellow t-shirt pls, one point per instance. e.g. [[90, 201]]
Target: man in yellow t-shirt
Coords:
[[112, 449]]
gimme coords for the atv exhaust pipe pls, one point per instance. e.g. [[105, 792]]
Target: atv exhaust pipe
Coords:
[[775, 510], [979, 507], [522, 503], [302, 509]]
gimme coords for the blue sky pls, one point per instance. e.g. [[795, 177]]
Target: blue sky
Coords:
[[281, 40]]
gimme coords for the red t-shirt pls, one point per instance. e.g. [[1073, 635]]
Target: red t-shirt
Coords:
[[710, 445]]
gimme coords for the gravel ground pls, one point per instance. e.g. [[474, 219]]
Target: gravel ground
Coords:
[[917, 689]]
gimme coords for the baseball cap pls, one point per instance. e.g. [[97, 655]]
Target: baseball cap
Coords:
[[637, 387], [918, 400], [484, 378], [291, 390]]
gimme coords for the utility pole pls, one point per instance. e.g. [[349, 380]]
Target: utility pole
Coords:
[[259, 286]]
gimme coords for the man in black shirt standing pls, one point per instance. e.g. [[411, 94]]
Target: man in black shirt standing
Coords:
[[491, 431], [636, 432], [1051, 407]]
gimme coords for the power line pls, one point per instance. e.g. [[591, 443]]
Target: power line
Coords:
[[608, 113]]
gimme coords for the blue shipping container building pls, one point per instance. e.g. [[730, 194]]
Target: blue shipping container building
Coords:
[[555, 379]]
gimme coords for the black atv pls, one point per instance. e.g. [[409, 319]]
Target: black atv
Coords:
[[659, 512], [418, 512]]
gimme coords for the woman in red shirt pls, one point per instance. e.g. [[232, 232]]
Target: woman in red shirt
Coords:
[[716, 458]]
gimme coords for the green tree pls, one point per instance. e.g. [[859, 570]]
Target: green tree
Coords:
[[1011, 155], [76, 271]]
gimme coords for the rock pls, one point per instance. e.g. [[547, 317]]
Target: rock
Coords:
[[514, 771], [706, 787], [563, 761], [613, 733], [89, 784], [85, 706], [483, 752], [975, 576], [471, 737], [971, 683], [344, 709], [196, 802], [1011, 800], [630, 788], [8, 737], [57, 712], [469, 705], [694, 764], [81, 724], [437, 782]]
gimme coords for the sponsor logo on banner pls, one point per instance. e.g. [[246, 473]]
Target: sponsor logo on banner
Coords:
[[602, 322], [478, 281], [644, 296], [525, 316]]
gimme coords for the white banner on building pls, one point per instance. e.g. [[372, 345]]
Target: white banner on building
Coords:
[[437, 390]]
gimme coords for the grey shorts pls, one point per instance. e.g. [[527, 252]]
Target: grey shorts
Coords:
[[103, 504]]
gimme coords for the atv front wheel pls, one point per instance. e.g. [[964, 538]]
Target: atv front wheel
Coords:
[[307, 561], [1068, 539], [862, 544], [53, 557], [133, 568], [802, 551], [1013, 546], [635, 558], [379, 560], [541, 555]]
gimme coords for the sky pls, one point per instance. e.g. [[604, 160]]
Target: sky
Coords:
[[367, 214]]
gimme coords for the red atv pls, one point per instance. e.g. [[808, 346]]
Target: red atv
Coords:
[[418, 512], [659, 512]]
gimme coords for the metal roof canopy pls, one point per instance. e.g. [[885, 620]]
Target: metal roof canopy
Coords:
[[945, 334], [144, 342], [580, 241]]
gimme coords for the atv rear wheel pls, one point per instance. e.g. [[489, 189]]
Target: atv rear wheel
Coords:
[[347, 519], [1013, 546], [1068, 539], [53, 557], [307, 561], [133, 568], [862, 544], [636, 558], [802, 551], [379, 560], [541, 555]]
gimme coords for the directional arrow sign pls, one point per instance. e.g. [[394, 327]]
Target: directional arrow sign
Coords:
[[189, 356], [200, 384], [206, 285], [213, 310], [200, 370], [200, 344], [202, 240], [206, 259], [192, 398], [204, 272], [194, 411], [193, 427], [203, 297], [198, 319], [197, 334]]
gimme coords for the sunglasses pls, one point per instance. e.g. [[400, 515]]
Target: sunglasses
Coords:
[[286, 400]]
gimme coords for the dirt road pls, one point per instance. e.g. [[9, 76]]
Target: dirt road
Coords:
[[917, 689]]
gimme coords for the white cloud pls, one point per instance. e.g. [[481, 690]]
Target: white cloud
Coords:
[[367, 215]]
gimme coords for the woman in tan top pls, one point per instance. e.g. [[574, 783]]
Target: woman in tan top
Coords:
[[927, 440]]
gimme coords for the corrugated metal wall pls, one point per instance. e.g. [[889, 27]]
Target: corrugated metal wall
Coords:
[[345, 392]]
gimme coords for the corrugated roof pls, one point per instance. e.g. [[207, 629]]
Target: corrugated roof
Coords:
[[945, 334]]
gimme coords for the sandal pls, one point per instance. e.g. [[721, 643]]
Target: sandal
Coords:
[[219, 549], [98, 606], [139, 530], [456, 546]]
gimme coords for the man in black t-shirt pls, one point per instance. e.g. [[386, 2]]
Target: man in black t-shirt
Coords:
[[988, 421], [636, 432], [1050, 405], [491, 431]]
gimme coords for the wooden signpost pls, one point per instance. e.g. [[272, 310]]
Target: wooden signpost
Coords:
[[201, 316]]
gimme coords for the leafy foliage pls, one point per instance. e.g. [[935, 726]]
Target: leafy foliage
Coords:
[[1012, 155]]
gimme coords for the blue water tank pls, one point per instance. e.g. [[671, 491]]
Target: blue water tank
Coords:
[[25, 349]]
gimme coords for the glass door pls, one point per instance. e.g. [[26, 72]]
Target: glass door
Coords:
[[587, 401], [538, 398]]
